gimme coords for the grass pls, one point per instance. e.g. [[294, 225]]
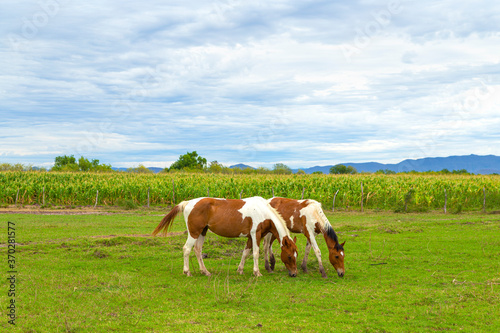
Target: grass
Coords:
[[404, 273]]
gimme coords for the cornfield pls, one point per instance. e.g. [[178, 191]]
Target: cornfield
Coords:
[[399, 192]]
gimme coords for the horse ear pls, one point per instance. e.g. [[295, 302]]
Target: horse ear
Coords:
[[295, 239], [285, 241], [342, 244]]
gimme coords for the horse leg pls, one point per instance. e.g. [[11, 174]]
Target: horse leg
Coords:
[[197, 250], [246, 252], [267, 251], [272, 260], [255, 247], [187, 250], [306, 255], [318, 255]]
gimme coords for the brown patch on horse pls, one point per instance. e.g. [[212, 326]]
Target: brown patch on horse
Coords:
[[290, 208], [220, 216]]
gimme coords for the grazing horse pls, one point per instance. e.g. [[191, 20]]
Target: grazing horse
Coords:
[[251, 217], [307, 217]]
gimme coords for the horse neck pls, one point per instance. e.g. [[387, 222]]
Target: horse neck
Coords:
[[280, 231], [278, 227]]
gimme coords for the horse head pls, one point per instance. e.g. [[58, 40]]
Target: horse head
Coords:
[[289, 255], [336, 256]]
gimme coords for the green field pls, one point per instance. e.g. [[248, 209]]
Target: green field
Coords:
[[102, 273]]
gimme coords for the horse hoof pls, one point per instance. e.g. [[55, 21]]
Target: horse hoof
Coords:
[[188, 273], [257, 274]]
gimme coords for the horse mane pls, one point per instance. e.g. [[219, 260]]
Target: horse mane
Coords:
[[327, 227], [330, 233]]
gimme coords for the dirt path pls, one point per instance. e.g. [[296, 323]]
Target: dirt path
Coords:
[[82, 210], [62, 211], [170, 234]]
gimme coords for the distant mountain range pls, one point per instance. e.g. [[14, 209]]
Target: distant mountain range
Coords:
[[472, 163]]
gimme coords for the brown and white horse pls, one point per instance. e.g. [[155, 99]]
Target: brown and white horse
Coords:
[[251, 217], [307, 217]]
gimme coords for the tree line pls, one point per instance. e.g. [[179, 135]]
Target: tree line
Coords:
[[192, 162]]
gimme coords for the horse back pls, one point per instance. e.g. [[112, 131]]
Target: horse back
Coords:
[[221, 216]]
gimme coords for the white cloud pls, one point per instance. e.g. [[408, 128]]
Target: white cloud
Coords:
[[248, 81]]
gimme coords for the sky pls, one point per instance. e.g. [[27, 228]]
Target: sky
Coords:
[[302, 83]]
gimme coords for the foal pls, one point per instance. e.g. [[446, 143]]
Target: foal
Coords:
[[307, 217], [251, 217]]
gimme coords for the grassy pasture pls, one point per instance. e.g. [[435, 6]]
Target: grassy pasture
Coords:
[[404, 273]]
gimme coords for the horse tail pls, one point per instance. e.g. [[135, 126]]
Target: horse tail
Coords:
[[167, 221]]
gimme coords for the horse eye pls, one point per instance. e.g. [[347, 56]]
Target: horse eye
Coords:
[[336, 257]]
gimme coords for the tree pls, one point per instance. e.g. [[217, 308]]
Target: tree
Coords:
[[84, 164], [68, 163], [17, 167], [341, 169], [61, 161], [461, 172], [140, 169], [101, 167], [216, 167], [189, 161], [385, 172], [263, 170], [65, 163], [281, 169]]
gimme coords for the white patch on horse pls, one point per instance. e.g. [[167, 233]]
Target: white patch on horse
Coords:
[[189, 208], [269, 213], [342, 253], [291, 222], [308, 211], [248, 210]]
